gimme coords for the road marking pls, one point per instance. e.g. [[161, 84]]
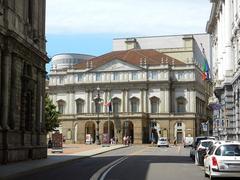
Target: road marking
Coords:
[[106, 172], [179, 147], [102, 173]]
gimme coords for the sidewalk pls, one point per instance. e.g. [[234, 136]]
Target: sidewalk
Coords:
[[71, 152]]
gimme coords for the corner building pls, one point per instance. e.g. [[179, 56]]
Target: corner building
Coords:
[[223, 25], [22, 80], [149, 90]]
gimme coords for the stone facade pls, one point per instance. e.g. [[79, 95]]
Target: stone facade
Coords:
[[22, 80], [149, 91], [223, 26]]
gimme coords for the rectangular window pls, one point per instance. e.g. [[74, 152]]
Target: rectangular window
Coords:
[[61, 79], [116, 76], [134, 75], [153, 75], [98, 77], [80, 77]]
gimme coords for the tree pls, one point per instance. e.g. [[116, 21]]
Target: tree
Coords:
[[51, 115]]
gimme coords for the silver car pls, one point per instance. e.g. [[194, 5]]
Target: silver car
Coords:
[[163, 141], [223, 160]]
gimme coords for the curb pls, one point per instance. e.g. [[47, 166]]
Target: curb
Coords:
[[54, 165]]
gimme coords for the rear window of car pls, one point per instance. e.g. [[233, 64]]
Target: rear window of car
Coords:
[[206, 144], [228, 150], [211, 150]]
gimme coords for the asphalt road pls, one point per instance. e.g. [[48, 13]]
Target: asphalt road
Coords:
[[134, 162]]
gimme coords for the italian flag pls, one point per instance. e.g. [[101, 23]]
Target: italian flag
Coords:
[[109, 105]]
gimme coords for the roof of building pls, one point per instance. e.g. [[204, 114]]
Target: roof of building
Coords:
[[133, 56]]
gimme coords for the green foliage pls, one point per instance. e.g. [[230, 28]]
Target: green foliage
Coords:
[[51, 115]]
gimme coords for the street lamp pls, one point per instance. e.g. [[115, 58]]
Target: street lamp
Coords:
[[97, 106]]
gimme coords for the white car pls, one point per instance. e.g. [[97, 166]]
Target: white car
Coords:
[[163, 141], [223, 160], [188, 141], [201, 150]]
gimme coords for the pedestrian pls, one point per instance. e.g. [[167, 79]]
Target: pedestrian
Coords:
[[128, 140], [116, 139], [125, 140], [175, 142]]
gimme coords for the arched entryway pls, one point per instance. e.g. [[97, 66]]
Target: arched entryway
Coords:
[[179, 131], [90, 132], [111, 128], [128, 130]]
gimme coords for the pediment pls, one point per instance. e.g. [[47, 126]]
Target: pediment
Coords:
[[116, 65]]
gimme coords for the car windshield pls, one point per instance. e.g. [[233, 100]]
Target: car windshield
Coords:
[[230, 150], [163, 139], [206, 144]]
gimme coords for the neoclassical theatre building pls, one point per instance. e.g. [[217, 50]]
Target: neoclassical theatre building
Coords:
[[148, 90]]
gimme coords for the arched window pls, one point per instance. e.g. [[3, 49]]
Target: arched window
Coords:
[[116, 105], [80, 106], [181, 104], [61, 106], [134, 104], [154, 104]]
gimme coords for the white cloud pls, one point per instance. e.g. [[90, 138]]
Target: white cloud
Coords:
[[138, 17]]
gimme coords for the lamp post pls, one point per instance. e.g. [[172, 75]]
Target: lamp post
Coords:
[[97, 106]]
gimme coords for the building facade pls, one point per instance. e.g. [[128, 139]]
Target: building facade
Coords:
[[223, 26], [152, 94], [22, 80]]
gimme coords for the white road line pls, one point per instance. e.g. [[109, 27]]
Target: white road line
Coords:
[[105, 168], [101, 173], [106, 172]]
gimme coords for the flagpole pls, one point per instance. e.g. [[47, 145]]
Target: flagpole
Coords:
[[109, 127]]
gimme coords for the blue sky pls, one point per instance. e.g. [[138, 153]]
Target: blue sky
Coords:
[[88, 27]]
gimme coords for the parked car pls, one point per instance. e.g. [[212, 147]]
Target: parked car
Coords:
[[195, 142], [163, 141], [223, 160], [201, 150], [187, 141]]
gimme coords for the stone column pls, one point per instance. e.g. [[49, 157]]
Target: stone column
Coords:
[[91, 101], [71, 103], [169, 102], [6, 71], [87, 101], [162, 105], [142, 100], [145, 102], [193, 100], [105, 99], [123, 101], [188, 99], [127, 101], [228, 43]]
